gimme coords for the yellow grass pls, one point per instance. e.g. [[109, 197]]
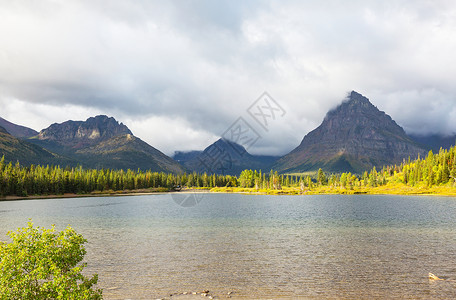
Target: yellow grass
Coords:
[[390, 189]]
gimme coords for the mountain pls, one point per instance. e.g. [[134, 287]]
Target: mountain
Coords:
[[353, 137], [102, 142], [81, 134], [17, 130], [224, 157], [435, 141], [183, 156], [127, 152], [15, 149]]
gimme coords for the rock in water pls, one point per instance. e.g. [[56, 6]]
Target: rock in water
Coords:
[[433, 277]]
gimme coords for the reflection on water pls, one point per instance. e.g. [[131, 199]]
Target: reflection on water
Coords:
[[346, 247], [100, 204]]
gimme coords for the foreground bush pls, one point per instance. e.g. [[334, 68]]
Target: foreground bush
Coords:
[[41, 263]]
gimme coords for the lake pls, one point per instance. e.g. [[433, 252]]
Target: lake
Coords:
[[261, 247]]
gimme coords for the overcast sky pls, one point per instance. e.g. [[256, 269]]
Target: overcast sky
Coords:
[[179, 73]]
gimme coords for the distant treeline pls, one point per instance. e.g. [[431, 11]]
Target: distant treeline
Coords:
[[434, 169], [54, 180]]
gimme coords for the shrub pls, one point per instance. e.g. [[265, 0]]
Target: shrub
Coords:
[[41, 263]]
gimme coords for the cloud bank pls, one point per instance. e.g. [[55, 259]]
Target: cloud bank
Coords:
[[179, 73]]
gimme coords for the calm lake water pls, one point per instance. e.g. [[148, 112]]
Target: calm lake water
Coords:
[[261, 247]]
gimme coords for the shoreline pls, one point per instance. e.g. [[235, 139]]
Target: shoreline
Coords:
[[102, 194], [244, 191], [406, 191]]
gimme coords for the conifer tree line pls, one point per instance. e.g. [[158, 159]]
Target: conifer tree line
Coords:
[[49, 180], [434, 169]]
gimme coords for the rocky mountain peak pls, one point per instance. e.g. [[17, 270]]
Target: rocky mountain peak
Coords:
[[93, 129], [354, 104], [98, 142], [355, 136], [356, 115], [357, 98]]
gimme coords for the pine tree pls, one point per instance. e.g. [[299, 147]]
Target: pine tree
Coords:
[[321, 177]]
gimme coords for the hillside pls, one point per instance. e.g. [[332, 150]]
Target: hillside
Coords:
[[127, 152], [15, 149], [17, 130]]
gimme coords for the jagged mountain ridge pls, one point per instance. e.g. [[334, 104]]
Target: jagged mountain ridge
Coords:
[[78, 134], [224, 157], [17, 130], [353, 137]]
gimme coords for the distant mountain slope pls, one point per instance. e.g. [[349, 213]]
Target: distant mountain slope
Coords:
[[102, 142], [127, 151], [17, 130], [224, 157], [352, 138], [183, 156], [15, 149], [434, 141]]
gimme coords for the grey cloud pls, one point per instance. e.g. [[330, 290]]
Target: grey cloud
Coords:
[[206, 61]]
